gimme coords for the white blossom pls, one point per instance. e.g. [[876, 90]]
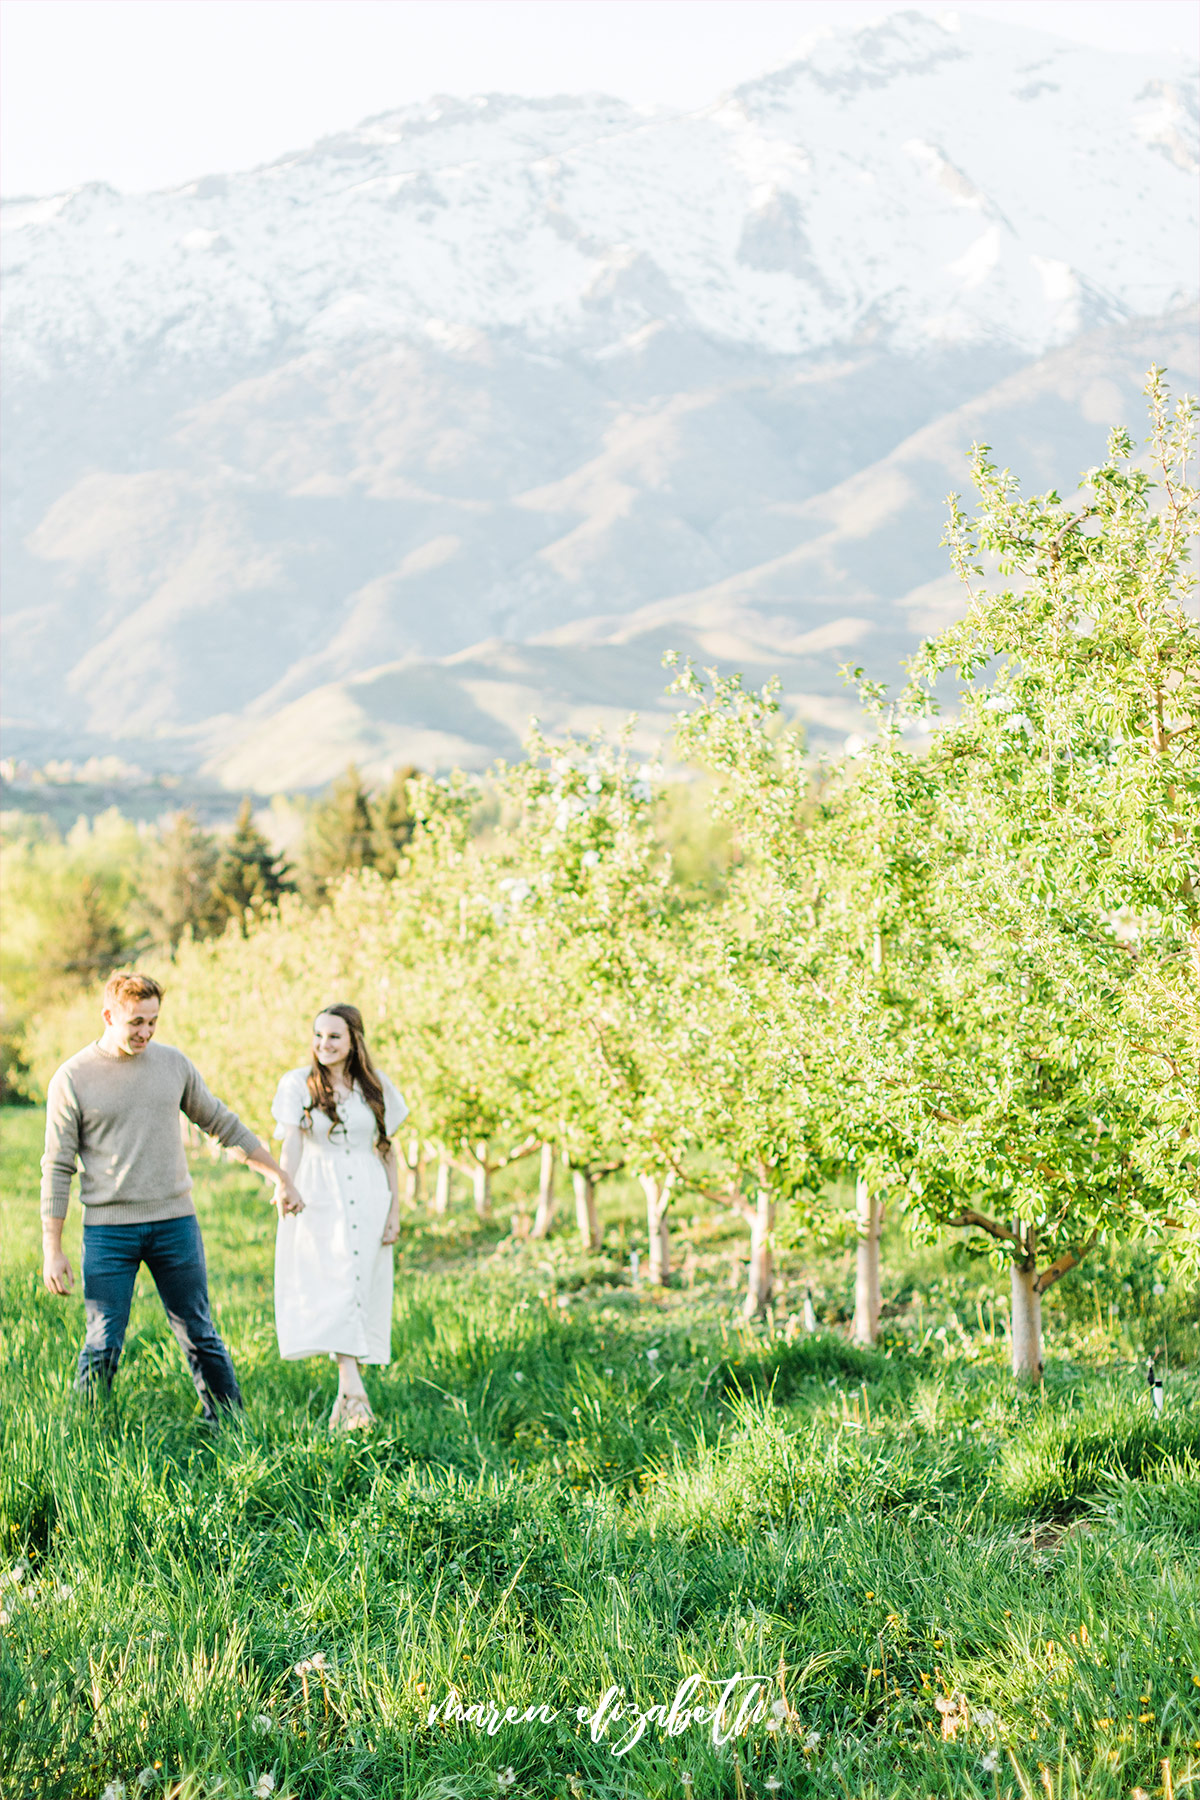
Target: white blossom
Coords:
[[591, 858], [1018, 722], [991, 1761], [855, 744], [1001, 703]]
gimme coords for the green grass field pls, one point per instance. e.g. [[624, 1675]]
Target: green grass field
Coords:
[[946, 1588]]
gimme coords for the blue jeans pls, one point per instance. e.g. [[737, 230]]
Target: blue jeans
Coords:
[[173, 1251]]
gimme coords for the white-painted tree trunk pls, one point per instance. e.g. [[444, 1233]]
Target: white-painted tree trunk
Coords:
[[659, 1259], [481, 1181], [1026, 1320], [762, 1274], [868, 1218], [415, 1178], [543, 1219], [441, 1186], [586, 1216]]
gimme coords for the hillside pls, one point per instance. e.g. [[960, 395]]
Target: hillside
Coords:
[[474, 410]]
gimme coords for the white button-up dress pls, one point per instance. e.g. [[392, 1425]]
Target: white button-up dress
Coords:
[[333, 1277]]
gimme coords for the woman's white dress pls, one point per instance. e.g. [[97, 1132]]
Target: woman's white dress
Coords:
[[333, 1277]]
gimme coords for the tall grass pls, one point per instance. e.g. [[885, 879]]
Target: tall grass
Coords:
[[951, 1588]]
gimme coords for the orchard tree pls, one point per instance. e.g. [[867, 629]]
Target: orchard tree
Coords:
[[1069, 790]]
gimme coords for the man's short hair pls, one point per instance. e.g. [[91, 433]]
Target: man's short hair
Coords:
[[126, 985]]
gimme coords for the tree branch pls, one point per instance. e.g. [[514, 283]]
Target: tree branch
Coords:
[[1069, 1259], [992, 1226]]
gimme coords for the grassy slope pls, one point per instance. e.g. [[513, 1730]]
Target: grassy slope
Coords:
[[549, 1508]]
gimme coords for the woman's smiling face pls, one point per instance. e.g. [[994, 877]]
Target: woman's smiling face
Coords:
[[331, 1040]]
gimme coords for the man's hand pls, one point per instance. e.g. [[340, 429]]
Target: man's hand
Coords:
[[391, 1230], [287, 1197], [56, 1270]]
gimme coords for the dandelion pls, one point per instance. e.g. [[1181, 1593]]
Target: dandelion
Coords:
[[18, 1573], [810, 1743], [318, 1661], [772, 1782], [609, 1372], [264, 1787], [563, 1301], [304, 1668], [114, 1791], [985, 1717], [517, 1375], [5, 1616], [1160, 1288], [991, 1762], [505, 1779], [652, 1356], [147, 1778], [264, 1723]]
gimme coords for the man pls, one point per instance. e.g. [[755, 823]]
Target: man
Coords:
[[115, 1106]]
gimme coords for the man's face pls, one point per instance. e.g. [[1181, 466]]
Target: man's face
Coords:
[[129, 1024]]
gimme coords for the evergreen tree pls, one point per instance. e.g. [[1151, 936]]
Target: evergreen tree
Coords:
[[250, 877], [179, 888], [340, 837], [392, 823]]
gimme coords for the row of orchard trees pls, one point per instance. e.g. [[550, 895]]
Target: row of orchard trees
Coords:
[[965, 976]]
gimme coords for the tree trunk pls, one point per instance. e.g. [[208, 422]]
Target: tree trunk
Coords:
[[586, 1217], [544, 1217], [659, 1260], [762, 1274], [414, 1180], [869, 1215], [441, 1191], [1026, 1317], [481, 1181]]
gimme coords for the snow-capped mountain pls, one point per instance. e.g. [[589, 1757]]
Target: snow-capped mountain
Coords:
[[485, 369]]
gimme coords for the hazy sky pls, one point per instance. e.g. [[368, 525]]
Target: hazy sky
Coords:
[[149, 93]]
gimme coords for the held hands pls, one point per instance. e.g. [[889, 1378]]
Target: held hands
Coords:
[[391, 1230], [286, 1198]]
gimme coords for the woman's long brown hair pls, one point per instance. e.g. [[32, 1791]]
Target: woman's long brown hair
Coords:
[[360, 1070]]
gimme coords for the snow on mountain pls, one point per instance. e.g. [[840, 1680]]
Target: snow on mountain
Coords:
[[936, 182], [527, 382]]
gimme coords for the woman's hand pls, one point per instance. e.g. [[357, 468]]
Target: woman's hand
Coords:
[[391, 1230], [286, 1198]]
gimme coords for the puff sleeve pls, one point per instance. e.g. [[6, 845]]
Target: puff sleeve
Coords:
[[291, 1097], [395, 1107]]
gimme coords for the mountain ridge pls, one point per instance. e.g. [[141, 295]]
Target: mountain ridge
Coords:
[[548, 375]]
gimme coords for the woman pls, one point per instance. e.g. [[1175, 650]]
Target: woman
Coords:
[[333, 1261]]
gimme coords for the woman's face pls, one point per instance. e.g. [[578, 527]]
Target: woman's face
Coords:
[[331, 1040]]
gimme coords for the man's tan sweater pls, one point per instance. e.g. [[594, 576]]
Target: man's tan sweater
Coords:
[[119, 1115]]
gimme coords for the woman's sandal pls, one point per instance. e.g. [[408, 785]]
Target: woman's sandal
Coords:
[[352, 1413]]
